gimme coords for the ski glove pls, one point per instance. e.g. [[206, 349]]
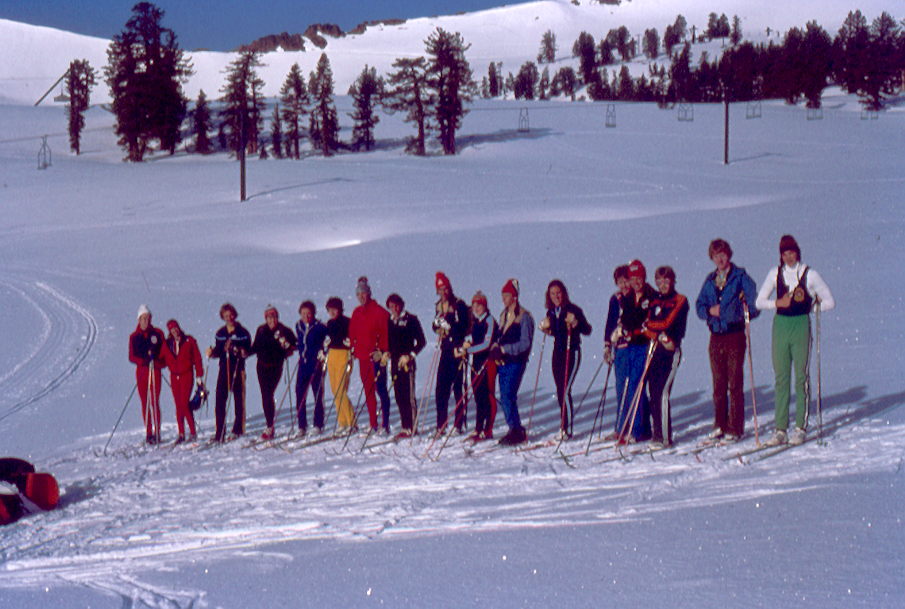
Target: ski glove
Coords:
[[496, 353]]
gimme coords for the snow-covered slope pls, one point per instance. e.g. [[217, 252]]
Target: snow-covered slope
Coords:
[[35, 57]]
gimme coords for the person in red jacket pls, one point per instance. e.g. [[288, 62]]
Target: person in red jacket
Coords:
[[182, 356], [368, 330], [147, 347]]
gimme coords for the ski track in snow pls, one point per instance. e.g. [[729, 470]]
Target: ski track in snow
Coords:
[[158, 508], [47, 361]]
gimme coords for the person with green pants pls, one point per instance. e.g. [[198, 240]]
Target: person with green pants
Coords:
[[798, 290]]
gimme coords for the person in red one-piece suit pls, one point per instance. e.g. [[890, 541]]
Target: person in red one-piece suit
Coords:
[[183, 357]]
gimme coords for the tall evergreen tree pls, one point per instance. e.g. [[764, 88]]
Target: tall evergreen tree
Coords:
[[80, 80], [365, 92], [651, 45], [294, 97], [276, 132], [145, 71], [735, 35], [817, 48], [407, 91], [244, 101], [201, 121], [547, 53], [526, 81], [493, 81], [586, 53], [565, 82], [449, 75], [324, 120]]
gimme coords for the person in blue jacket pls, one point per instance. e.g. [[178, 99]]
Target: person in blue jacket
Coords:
[[312, 345], [721, 304]]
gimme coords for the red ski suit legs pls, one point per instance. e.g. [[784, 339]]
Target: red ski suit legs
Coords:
[[182, 393]]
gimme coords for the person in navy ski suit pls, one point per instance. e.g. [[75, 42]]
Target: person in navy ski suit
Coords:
[[312, 343], [451, 325], [565, 322], [274, 343], [232, 342], [405, 340], [483, 367]]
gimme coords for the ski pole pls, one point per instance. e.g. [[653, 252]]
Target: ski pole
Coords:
[[750, 364], [639, 392], [449, 434], [285, 393], [427, 383], [534, 396], [599, 409], [820, 440], [591, 384], [360, 406], [134, 387]]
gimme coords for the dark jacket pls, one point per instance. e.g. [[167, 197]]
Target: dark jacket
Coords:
[[612, 317], [634, 314], [732, 316], [311, 340], [668, 315], [338, 332], [232, 346], [267, 345], [147, 345], [405, 336], [482, 331], [459, 318], [559, 330]]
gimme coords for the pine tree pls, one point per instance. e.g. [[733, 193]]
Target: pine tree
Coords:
[[294, 97], [543, 84], [366, 92], [449, 75], [324, 120], [526, 81], [817, 47], [493, 81], [80, 80], [145, 71], [407, 91], [586, 52], [547, 53], [245, 104], [276, 132], [651, 46], [201, 120], [735, 35], [565, 82]]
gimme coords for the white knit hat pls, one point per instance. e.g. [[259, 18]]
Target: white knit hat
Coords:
[[142, 310]]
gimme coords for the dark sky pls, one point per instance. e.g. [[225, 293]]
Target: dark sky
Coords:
[[225, 24]]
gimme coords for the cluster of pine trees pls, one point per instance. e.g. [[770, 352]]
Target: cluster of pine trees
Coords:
[[867, 60], [146, 70]]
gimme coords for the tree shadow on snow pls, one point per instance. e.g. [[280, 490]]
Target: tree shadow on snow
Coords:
[[506, 135]]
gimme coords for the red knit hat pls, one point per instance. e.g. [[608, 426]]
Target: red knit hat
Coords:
[[479, 297], [173, 324], [270, 308], [442, 281], [636, 269], [511, 287]]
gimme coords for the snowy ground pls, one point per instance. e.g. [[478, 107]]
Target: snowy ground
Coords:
[[89, 239]]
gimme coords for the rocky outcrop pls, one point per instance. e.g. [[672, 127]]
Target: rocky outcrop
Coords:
[[285, 41]]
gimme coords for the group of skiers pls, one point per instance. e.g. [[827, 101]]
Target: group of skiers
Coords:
[[477, 353]]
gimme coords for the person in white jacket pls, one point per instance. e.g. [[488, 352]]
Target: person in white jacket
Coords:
[[799, 289]]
